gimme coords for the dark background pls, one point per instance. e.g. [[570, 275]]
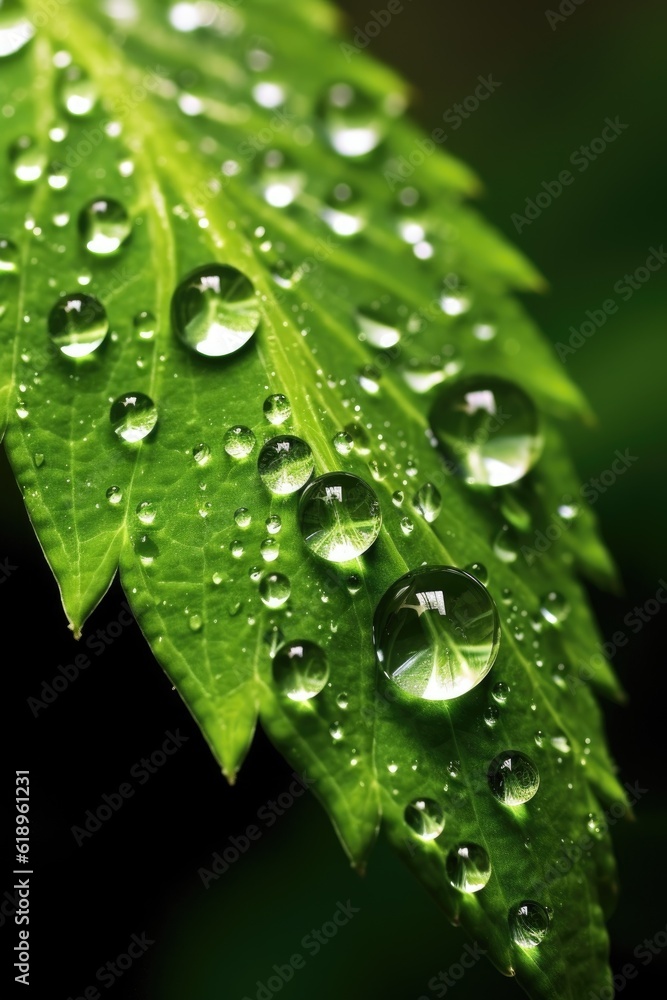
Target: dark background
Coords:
[[139, 872]]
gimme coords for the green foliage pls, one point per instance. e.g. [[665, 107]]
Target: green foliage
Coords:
[[176, 137]]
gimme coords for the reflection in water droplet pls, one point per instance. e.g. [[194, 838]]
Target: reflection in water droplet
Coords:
[[505, 545], [300, 669], [114, 494], [144, 324], [369, 380], [78, 324], [343, 443], [513, 778], [428, 502], [16, 29], [277, 409], [488, 428], [353, 584], [273, 524], [201, 453], [215, 310], [529, 923], [27, 159], [479, 571], [9, 256], [58, 178], [425, 817], [379, 323], [360, 438], [239, 441], [491, 716], [274, 589], [339, 516], [242, 517], [436, 633], [146, 549], [285, 464], [500, 691], [270, 549], [146, 512], [468, 867], [554, 608], [336, 731], [78, 93], [133, 416], [104, 226], [351, 120]]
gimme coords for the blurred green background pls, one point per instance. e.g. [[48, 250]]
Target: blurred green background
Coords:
[[558, 85]]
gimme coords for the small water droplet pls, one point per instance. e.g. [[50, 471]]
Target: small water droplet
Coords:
[[270, 549], [513, 778], [78, 93], [277, 408], [468, 867], [491, 716], [242, 516], [133, 416], [274, 590], [336, 731], [9, 256], [342, 700], [201, 453], [343, 443], [500, 692], [379, 324], [596, 826], [215, 310], [236, 548], [58, 176], [300, 669], [353, 584], [529, 923], [78, 324], [428, 502], [146, 549], [239, 441], [27, 159], [195, 622], [339, 517], [397, 498], [407, 527], [369, 379], [144, 324], [285, 464], [104, 226], [436, 633], [352, 121], [505, 545], [38, 459], [425, 817], [114, 494], [146, 512], [554, 608]]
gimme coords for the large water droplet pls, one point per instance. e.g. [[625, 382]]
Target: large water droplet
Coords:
[[133, 416], [104, 226], [513, 778], [425, 817], [529, 923], [277, 408], [274, 589], [339, 516], [239, 441], [28, 160], [436, 633], [351, 119], [78, 324], [9, 256], [428, 502], [16, 29], [468, 867], [285, 464], [554, 608], [215, 310], [488, 428], [300, 669]]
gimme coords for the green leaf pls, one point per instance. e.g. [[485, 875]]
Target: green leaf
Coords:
[[178, 135]]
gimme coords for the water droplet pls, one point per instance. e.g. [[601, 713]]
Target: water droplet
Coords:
[[9, 256], [539, 738], [78, 93], [455, 298], [242, 516], [500, 691], [114, 494], [425, 817], [195, 622], [144, 324], [285, 464], [280, 182], [360, 438], [392, 767], [353, 584], [491, 716], [277, 409], [339, 517], [479, 571], [215, 310], [27, 159], [300, 669], [273, 524], [270, 549], [468, 867], [133, 416], [146, 512], [146, 549], [561, 744], [274, 589], [236, 548], [513, 778], [488, 428], [104, 226], [78, 324], [342, 700], [201, 453], [38, 459], [379, 324], [336, 731], [428, 502], [453, 768], [58, 176], [352, 122], [514, 511], [369, 380], [16, 29], [596, 826], [423, 375], [569, 509], [529, 923], [239, 441], [505, 545], [436, 633], [407, 527], [554, 608], [343, 443]]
